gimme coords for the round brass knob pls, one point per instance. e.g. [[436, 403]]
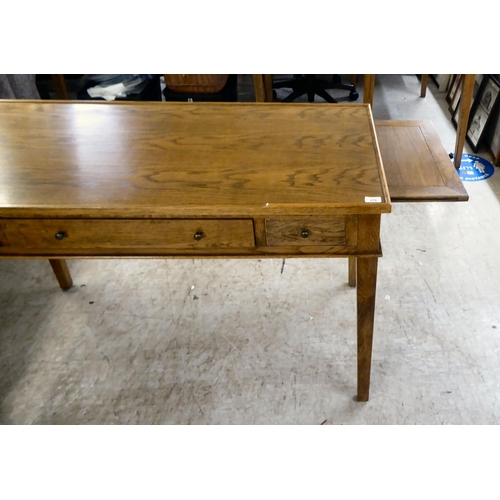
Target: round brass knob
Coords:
[[304, 233], [61, 235], [198, 235]]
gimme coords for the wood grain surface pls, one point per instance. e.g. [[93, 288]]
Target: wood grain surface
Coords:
[[416, 164], [318, 231], [64, 159], [101, 234], [309, 251]]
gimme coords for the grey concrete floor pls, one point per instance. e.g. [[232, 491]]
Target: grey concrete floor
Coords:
[[240, 342]]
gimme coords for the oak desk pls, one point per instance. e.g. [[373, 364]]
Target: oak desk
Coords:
[[245, 180]]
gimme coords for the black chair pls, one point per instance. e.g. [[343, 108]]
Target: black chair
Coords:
[[310, 85]]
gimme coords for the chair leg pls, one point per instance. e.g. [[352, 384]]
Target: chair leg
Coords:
[[325, 95], [294, 95], [286, 84], [61, 271]]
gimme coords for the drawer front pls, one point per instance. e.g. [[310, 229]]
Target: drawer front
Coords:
[[305, 231], [61, 234]]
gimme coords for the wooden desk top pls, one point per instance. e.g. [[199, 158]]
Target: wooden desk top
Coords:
[[62, 159]]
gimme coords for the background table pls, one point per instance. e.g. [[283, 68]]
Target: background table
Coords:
[[263, 93]]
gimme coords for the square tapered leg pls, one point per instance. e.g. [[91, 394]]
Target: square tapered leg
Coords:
[[366, 289], [62, 273]]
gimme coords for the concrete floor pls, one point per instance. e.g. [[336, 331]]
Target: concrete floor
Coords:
[[240, 342]]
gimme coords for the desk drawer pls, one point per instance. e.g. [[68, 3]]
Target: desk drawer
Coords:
[[65, 234], [304, 231]]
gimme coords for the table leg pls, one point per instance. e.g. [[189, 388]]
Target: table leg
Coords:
[[268, 86], [60, 87], [423, 85], [463, 119], [352, 271], [260, 89], [61, 271], [368, 89], [367, 285]]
